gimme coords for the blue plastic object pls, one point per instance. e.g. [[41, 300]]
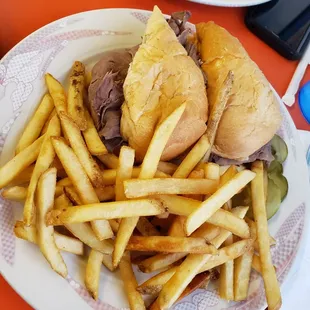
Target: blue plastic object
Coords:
[[304, 101]]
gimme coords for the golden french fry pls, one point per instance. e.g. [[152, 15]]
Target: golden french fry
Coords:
[[92, 274], [215, 202], [45, 234], [243, 266], [105, 210], [160, 261], [130, 283], [63, 243], [107, 262], [192, 158], [256, 263], [146, 228], [61, 173], [212, 171], [21, 161], [142, 188], [272, 289], [75, 95], [167, 167], [44, 160], [226, 282], [92, 139], [15, 193], [227, 253], [196, 174], [114, 225], [228, 175], [222, 218], [127, 225], [57, 92], [170, 244], [83, 231], [105, 193], [81, 183], [72, 195], [176, 228], [158, 143], [23, 177], [217, 111], [109, 160], [188, 269], [199, 280], [79, 147], [44, 128], [33, 128]]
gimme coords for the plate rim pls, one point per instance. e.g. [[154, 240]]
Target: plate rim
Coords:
[[231, 3]]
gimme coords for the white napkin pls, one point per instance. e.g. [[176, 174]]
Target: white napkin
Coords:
[[296, 293]]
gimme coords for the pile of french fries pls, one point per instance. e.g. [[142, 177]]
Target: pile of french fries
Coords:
[[173, 219]]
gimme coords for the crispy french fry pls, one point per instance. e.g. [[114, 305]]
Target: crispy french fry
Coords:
[[63, 243], [109, 160], [114, 225], [127, 225], [212, 171], [272, 289], [75, 95], [154, 285], [146, 228], [142, 188], [228, 175], [214, 202], [61, 173], [199, 280], [105, 193], [15, 193], [45, 235], [21, 161], [228, 253], [159, 261], [222, 218], [196, 174], [81, 183], [105, 210], [170, 244], [57, 92], [217, 111], [92, 274], [33, 128], [44, 160], [157, 145], [44, 128], [107, 262], [79, 147], [226, 283], [242, 270], [167, 167], [72, 195], [188, 269], [192, 158], [176, 228], [130, 283], [83, 231], [92, 139], [23, 177]]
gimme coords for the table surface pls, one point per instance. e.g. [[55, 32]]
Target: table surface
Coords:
[[19, 18]]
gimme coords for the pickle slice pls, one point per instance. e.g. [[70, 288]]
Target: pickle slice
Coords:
[[279, 148], [275, 167], [281, 182], [273, 199]]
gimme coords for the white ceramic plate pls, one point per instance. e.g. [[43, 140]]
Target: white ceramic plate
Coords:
[[53, 49], [231, 3]]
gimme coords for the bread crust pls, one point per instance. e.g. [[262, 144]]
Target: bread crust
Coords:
[[252, 115]]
